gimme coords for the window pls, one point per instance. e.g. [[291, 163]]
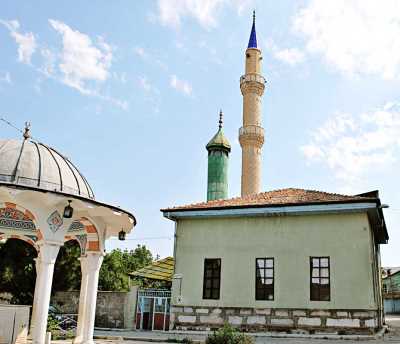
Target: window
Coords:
[[265, 279], [212, 279], [320, 287]]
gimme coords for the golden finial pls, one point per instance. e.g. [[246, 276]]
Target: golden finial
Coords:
[[220, 119]]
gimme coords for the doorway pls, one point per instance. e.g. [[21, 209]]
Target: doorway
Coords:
[[153, 308]]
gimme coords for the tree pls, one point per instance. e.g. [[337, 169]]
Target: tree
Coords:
[[17, 270], [67, 270], [118, 264]]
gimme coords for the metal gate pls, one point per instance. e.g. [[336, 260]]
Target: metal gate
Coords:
[[153, 309]]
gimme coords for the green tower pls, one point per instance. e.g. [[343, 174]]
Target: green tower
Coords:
[[218, 155]]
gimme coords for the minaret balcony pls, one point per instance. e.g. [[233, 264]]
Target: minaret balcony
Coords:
[[252, 83], [251, 134], [252, 77]]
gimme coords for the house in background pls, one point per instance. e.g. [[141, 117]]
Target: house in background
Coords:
[[391, 290], [280, 260]]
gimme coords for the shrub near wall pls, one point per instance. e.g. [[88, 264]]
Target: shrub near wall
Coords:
[[229, 335]]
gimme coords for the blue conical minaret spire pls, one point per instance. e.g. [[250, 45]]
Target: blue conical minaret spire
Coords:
[[253, 36]]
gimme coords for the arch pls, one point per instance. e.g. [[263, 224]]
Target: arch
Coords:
[[17, 222], [16, 217], [85, 233], [27, 238]]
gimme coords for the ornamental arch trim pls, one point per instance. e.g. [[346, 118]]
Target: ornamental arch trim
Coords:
[[85, 233], [16, 218], [29, 239]]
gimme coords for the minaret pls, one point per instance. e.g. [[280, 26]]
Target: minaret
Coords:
[[251, 134], [218, 155]]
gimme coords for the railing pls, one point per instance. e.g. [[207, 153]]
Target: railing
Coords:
[[251, 130], [154, 293], [252, 77], [391, 289]]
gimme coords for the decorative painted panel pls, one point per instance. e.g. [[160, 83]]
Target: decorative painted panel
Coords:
[[13, 218], [82, 239], [76, 226], [55, 221]]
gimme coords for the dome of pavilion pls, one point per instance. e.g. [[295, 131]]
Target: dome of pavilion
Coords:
[[32, 164]]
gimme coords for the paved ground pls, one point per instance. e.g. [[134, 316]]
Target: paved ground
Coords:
[[392, 337]]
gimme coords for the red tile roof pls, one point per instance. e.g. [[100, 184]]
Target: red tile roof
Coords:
[[283, 197]]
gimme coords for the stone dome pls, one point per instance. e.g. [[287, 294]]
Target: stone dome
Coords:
[[33, 164]]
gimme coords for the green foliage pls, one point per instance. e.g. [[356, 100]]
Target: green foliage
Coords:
[[229, 335], [17, 270], [117, 264], [67, 270], [53, 324]]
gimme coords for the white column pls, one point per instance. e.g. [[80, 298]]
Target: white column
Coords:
[[90, 265], [37, 266], [47, 257], [82, 301]]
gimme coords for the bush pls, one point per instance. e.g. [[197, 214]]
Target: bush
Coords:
[[52, 324], [229, 335]]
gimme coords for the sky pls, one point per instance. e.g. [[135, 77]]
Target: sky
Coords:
[[130, 91]]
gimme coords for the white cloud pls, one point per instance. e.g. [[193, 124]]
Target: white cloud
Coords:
[[150, 57], [140, 52], [171, 12], [26, 41], [81, 59], [121, 77], [181, 85], [354, 146], [5, 77], [291, 56], [144, 83], [357, 37], [48, 67]]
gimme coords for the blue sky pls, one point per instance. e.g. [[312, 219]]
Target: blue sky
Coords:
[[131, 90]]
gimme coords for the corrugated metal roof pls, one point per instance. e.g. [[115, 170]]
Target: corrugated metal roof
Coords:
[[161, 270]]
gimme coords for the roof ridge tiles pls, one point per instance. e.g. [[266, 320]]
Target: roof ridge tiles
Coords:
[[281, 197]]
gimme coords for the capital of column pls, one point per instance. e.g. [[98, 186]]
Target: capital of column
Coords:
[[48, 252], [91, 261]]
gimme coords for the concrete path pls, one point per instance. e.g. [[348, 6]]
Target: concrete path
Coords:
[[143, 337]]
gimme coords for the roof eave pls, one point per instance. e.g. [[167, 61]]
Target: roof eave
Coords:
[[299, 209], [170, 210], [81, 198]]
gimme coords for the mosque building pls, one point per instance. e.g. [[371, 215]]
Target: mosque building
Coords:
[[289, 259]]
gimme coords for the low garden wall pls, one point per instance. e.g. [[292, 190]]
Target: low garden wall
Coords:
[[113, 309]]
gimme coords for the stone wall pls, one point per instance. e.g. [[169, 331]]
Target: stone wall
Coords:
[[267, 319], [113, 309]]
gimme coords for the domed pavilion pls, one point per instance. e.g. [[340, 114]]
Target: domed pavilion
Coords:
[[46, 201]]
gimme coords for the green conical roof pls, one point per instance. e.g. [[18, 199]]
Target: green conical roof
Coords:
[[219, 141]]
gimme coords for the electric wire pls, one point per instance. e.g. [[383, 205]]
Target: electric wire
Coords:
[[14, 127], [11, 125]]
